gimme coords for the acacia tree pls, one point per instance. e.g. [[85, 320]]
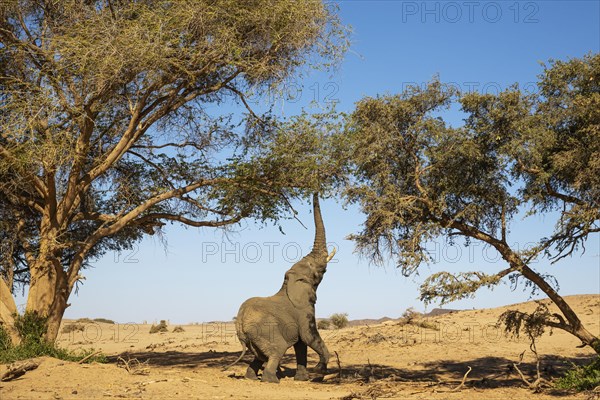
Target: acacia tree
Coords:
[[110, 125], [417, 179]]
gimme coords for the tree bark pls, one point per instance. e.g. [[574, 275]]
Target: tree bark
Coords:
[[574, 326], [8, 311], [48, 294]]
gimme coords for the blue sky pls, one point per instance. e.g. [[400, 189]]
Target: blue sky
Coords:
[[204, 275]]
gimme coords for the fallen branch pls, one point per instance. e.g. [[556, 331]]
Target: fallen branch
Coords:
[[17, 370], [462, 383], [84, 359], [536, 385], [134, 366], [337, 375]]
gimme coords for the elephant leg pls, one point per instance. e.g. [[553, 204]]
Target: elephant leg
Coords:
[[319, 347], [270, 372], [252, 371], [310, 335], [300, 349]]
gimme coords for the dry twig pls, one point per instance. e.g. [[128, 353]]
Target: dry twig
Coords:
[[337, 375], [462, 383], [16, 370], [539, 382], [134, 366], [84, 359]]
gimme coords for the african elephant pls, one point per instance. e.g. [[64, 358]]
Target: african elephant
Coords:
[[268, 326]]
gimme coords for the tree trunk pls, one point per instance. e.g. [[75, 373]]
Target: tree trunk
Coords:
[[8, 310], [48, 294], [575, 326]]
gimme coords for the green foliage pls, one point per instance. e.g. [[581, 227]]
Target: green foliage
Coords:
[[339, 320], [532, 324], [27, 350], [416, 178], [31, 328], [161, 327], [5, 341], [323, 324], [581, 377], [446, 287]]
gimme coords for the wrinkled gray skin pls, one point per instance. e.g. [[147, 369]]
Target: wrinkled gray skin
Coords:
[[268, 326]]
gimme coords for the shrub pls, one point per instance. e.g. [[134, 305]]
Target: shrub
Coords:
[[5, 342], [339, 320], [31, 328], [423, 323], [413, 317], [409, 316], [104, 321], [581, 378], [76, 327], [178, 329], [161, 327], [324, 324]]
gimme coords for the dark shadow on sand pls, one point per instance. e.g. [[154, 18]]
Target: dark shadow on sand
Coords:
[[487, 372]]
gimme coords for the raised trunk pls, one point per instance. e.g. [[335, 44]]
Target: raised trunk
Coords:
[[8, 311], [320, 246]]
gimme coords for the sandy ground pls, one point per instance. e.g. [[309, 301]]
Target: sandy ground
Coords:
[[387, 360]]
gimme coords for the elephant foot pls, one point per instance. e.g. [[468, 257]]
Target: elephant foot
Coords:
[[322, 368], [270, 377], [251, 374], [301, 374]]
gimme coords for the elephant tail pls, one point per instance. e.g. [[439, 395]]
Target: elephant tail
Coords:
[[244, 349]]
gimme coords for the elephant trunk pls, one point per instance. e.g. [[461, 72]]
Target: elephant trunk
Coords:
[[320, 246]]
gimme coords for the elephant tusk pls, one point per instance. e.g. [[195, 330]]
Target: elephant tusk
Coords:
[[330, 256]]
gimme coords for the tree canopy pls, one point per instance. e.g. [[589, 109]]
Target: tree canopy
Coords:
[[417, 178], [110, 124]]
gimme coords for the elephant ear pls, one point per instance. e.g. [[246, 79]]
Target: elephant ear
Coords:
[[300, 291]]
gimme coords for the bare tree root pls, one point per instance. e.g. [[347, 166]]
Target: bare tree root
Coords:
[[462, 383], [134, 366], [539, 383], [16, 370]]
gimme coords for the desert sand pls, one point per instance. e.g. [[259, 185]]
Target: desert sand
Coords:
[[388, 360]]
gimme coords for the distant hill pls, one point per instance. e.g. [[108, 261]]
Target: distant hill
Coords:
[[440, 311], [370, 321], [362, 322]]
